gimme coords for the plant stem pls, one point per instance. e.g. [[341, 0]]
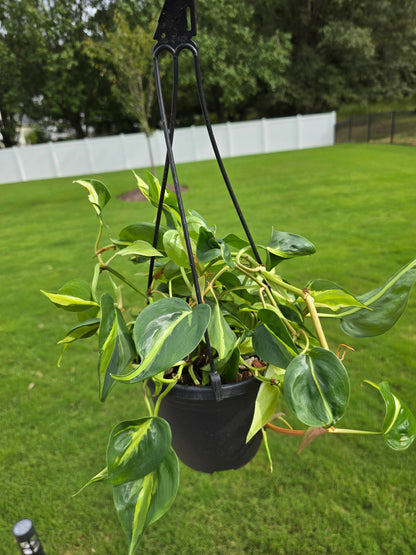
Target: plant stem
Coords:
[[168, 388], [214, 279], [310, 303], [193, 376], [347, 431], [285, 431], [97, 242], [186, 280], [149, 406]]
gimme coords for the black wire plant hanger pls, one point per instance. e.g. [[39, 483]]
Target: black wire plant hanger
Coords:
[[176, 27]]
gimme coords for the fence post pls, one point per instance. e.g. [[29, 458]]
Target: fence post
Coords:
[[55, 159], [127, 164], [230, 138], [87, 144], [264, 135], [393, 122], [299, 131], [20, 165]]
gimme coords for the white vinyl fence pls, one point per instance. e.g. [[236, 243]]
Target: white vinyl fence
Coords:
[[105, 154]]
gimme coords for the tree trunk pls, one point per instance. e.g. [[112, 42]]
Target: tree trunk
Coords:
[[76, 124], [7, 129]]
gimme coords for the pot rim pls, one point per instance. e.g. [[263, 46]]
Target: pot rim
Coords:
[[206, 393]]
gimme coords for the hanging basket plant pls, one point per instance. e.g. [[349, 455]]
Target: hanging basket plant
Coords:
[[214, 369]]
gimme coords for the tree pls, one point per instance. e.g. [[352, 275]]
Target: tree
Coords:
[[344, 51], [22, 49], [73, 88], [239, 64], [124, 56]]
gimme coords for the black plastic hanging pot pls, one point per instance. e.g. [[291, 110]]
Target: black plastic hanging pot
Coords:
[[208, 435]]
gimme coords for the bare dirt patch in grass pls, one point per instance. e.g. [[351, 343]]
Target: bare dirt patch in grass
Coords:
[[135, 195]]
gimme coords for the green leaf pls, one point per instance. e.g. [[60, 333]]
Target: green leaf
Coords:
[[141, 502], [330, 295], [74, 296], [142, 231], [221, 336], [100, 477], [165, 487], [85, 329], [99, 195], [174, 245], [399, 427], [195, 221], [152, 192], [136, 448], [115, 343], [317, 388], [132, 502], [235, 242], [266, 400], [139, 248], [387, 304], [275, 324], [164, 333], [231, 283], [288, 245], [272, 341], [228, 368], [209, 248]]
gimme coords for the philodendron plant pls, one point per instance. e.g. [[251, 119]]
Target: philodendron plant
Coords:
[[257, 323]]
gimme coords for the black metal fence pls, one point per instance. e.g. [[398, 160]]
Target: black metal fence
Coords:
[[387, 127]]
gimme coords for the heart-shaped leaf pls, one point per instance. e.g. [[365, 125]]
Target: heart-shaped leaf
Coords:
[[272, 341], [399, 427], [141, 231], [330, 295], [232, 284], [387, 304], [115, 343], [152, 192], [316, 387], [266, 400], [195, 221], [141, 502], [209, 248], [175, 247], [284, 245], [165, 487], [164, 333], [139, 248], [74, 296], [85, 329], [99, 195], [235, 242], [136, 448], [221, 336], [228, 368]]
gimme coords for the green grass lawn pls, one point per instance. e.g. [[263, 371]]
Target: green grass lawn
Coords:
[[343, 495]]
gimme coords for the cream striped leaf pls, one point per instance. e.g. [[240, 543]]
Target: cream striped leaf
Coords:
[[136, 448], [165, 332]]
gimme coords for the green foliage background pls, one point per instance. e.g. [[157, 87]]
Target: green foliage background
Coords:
[[86, 64], [341, 495]]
